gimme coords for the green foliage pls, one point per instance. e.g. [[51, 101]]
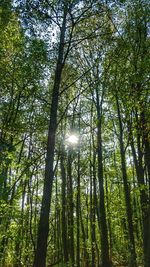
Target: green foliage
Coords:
[[108, 56]]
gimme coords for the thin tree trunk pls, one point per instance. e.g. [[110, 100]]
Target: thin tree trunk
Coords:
[[138, 162], [104, 232], [71, 209], [126, 192], [92, 222], [146, 145], [85, 252], [78, 211], [64, 221], [92, 211], [109, 217]]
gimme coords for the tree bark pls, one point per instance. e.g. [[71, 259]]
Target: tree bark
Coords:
[[71, 210], [103, 223], [142, 141], [78, 211], [133, 262], [43, 230], [64, 219]]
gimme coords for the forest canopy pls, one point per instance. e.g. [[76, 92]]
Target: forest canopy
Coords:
[[74, 133]]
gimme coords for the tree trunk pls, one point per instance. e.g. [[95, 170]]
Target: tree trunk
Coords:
[[78, 211], [64, 221], [138, 162], [103, 223], [43, 230], [126, 191], [71, 209]]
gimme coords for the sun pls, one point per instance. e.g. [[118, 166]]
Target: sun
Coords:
[[72, 139]]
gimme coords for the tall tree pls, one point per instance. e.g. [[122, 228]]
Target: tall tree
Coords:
[[40, 256]]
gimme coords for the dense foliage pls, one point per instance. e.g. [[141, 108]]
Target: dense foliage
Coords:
[[74, 133]]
